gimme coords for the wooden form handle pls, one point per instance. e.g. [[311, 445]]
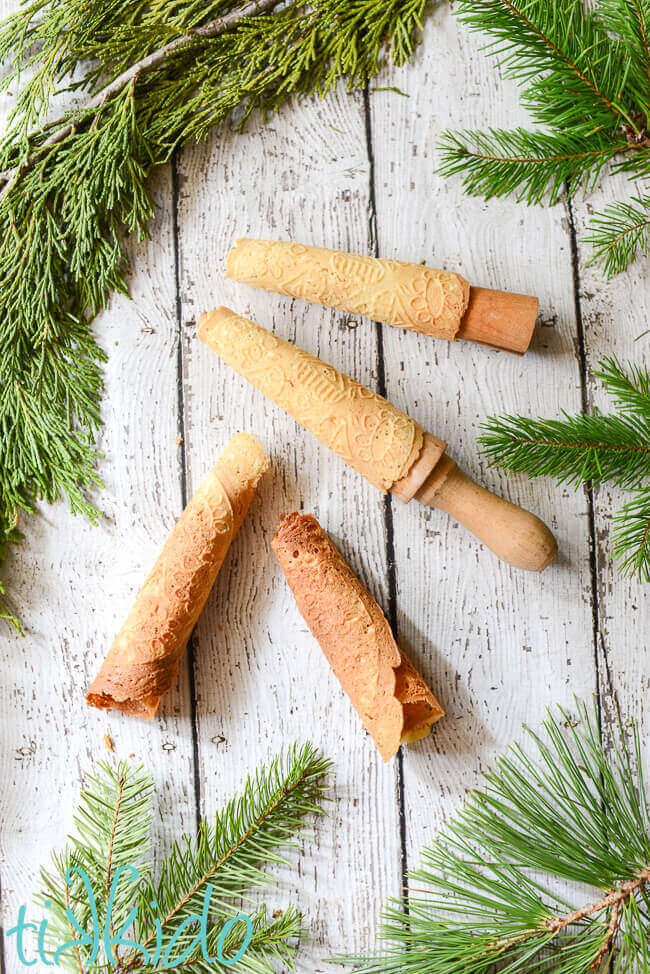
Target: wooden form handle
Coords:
[[499, 319], [514, 535]]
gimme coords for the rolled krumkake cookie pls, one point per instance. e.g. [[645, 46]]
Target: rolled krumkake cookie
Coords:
[[393, 701], [441, 304], [382, 443], [143, 661]]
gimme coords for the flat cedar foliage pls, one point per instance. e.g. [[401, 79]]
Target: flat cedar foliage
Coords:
[[150, 78]]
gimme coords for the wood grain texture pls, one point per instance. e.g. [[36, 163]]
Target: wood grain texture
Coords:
[[499, 645], [615, 318], [261, 680]]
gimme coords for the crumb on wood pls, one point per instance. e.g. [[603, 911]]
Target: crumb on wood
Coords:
[[109, 743], [179, 440]]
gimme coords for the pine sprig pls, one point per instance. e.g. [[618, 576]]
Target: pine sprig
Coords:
[[591, 449], [620, 234], [149, 78], [528, 165], [565, 807], [231, 856], [584, 71], [631, 544]]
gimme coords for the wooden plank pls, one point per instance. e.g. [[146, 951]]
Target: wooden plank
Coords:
[[261, 680], [74, 584], [498, 645], [615, 317]]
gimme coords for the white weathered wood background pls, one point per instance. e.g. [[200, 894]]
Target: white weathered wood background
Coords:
[[352, 171]]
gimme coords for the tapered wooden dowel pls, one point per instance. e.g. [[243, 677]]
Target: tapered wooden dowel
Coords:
[[500, 319], [516, 536]]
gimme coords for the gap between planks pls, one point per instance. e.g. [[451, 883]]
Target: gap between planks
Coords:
[[182, 464], [591, 507], [389, 532]]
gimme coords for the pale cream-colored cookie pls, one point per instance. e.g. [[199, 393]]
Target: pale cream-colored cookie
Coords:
[[395, 292], [380, 441]]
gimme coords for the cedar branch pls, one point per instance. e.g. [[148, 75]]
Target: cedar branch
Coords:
[[154, 60]]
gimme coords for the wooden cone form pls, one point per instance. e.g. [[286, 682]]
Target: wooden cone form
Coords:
[[378, 440], [499, 319]]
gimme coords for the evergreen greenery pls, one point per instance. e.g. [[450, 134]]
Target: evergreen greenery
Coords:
[[585, 73], [230, 854], [150, 78], [486, 895], [591, 449]]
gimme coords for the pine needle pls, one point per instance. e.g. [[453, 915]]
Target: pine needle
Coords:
[[150, 78], [620, 234], [584, 71], [587, 450], [230, 856], [632, 536], [564, 807]]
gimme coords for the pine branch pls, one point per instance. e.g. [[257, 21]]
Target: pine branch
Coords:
[[112, 826], [620, 234], [592, 449], [585, 74], [231, 854], [156, 76], [562, 55], [574, 450], [525, 164], [630, 20], [628, 387], [229, 858], [631, 541], [483, 900]]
